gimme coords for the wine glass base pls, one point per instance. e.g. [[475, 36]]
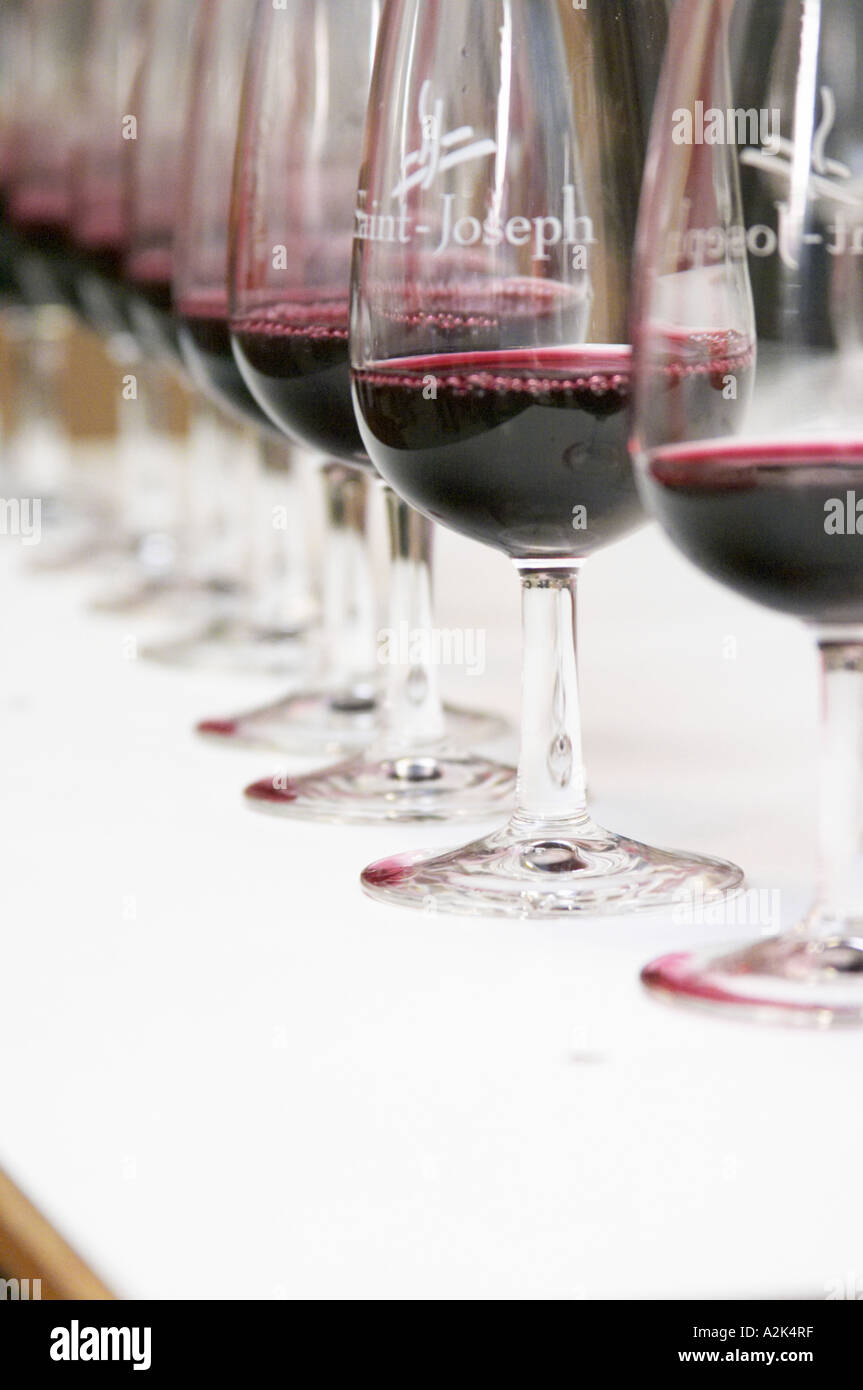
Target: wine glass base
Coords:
[[145, 597], [329, 723], [319, 723], [364, 790], [785, 980], [81, 549], [547, 872], [233, 644]]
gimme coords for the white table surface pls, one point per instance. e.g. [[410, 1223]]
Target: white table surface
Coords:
[[228, 1074]]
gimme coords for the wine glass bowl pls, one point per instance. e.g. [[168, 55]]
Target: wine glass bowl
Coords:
[[293, 216], [154, 189]]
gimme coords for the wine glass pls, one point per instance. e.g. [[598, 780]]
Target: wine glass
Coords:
[[492, 374], [99, 229], [335, 712], [751, 237], [98, 236], [298, 155], [131, 173], [265, 629], [193, 575]]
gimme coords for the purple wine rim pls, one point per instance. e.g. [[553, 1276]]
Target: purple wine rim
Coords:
[[604, 357], [259, 325], [152, 266], [760, 452], [205, 305], [509, 369], [680, 975]]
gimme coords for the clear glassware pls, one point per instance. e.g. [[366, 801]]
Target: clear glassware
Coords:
[[98, 234], [131, 175], [335, 708], [265, 631], [298, 154], [491, 363], [41, 84], [185, 585], [748, 431]]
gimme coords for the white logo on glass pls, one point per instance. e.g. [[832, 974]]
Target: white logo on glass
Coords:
[[828, 180], [439, 151], [569, 227], [828, 177]]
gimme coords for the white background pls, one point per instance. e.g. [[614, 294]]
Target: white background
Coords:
[[225, 1073]]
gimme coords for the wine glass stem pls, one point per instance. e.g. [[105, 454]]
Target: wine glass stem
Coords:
[[348, 590], [277, 558], [154, 464], [214, 453], [840, 895], [413, 717], [551, 779], [42, 346]]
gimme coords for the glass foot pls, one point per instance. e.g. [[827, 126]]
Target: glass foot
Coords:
[[552, 871], [234, 644], [319, 723], [323, 723], [439, 786], [82, 548], [789, 979], [145, 597]]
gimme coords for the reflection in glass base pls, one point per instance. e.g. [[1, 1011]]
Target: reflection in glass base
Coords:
[[439, 786], [531, 871], [789, 979], [234, 644], [323, 723]]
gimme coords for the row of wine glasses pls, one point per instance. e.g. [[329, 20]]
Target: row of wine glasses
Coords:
[[405, 237]]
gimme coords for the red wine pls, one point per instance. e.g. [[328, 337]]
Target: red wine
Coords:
[[295, 359], [100, 233], [524, 450], [776, 522], [10, 290], [100, 237], [149, 274], [40, 215], [206, 343], [44, 260]]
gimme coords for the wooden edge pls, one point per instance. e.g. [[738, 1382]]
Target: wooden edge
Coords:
[[30, 1248]]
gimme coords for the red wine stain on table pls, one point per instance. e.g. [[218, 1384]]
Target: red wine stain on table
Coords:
[[275, 791]]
